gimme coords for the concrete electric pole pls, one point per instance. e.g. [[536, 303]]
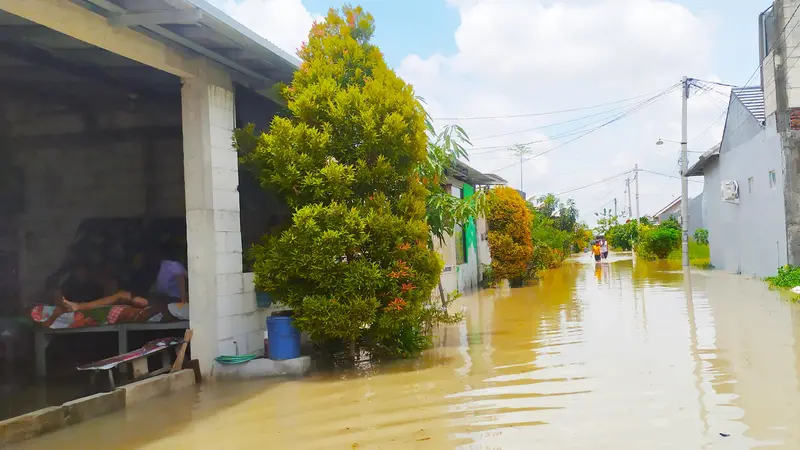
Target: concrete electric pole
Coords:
[[628, 190], [522, 151], [684, 180], [615, 206], [636, 174]]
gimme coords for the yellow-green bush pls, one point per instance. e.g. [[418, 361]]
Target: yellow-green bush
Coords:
[[509, 237]]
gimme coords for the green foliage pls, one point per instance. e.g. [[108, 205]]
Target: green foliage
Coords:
[[699, 255], [657, 242], [443, 210], [605, 222], [787, 277], [623, 236], [510, 242], [354, 264], [672, 223], [701, 236]]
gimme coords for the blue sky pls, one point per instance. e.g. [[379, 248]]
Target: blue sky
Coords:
[[522, 56], [425, 27]]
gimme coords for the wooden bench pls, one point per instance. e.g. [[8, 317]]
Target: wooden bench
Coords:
[[138, 359], [43, 336]]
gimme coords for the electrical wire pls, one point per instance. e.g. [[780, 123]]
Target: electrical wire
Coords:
[[615, 119], [595, 183], [549, 113], [550, 125], [603, 122], [666, 175]]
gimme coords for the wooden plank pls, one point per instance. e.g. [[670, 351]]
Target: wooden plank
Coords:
[[139, 367], [178, 364]]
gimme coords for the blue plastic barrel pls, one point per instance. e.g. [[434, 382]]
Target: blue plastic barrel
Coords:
[[283, 338]]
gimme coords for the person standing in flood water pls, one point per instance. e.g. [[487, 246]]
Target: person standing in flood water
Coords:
[[596, 250], [604, 248]]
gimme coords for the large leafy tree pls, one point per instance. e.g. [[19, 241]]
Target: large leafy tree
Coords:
[[354, 264]]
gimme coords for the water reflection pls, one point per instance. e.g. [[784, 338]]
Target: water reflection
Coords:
[[616, 355]]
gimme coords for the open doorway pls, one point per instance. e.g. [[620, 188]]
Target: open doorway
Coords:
[[91, 175]]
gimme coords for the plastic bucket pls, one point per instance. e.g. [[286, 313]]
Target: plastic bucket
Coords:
[[283, 338]]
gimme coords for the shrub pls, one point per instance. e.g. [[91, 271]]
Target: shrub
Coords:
[[354, 264], [658, 242], [787, 277], [509, 234], [701, 236]]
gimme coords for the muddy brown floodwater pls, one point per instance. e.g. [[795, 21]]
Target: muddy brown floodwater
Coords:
[[610, 356]]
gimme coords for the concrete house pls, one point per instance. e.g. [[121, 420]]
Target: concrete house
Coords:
[[751, 183], [673, 210], [124, 110], [467, 250]]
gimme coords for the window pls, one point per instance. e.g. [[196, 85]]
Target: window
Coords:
[[773, 179], [750, 185], [767, 31]]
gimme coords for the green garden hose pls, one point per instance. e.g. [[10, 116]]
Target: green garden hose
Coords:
[[228, 360]]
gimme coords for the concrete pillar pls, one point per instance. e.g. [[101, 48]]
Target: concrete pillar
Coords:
[[212, 211]]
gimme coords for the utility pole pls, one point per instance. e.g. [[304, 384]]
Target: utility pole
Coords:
[[684, 180], [628, 190], [615, 206], [636, 174], [522, 151]]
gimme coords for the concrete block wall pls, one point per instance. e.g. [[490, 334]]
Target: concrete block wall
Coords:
[[66, 183]]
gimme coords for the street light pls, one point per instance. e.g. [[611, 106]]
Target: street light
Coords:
[[661, 141]]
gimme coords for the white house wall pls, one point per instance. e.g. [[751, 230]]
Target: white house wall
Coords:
[[748, 237]]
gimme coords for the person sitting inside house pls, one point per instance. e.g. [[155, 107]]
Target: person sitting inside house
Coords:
[[170, 284], [84, 288], [169, 287]]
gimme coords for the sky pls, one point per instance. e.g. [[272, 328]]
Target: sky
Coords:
[[477, 62]]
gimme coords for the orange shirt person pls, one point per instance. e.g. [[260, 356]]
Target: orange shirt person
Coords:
[[596, 251]]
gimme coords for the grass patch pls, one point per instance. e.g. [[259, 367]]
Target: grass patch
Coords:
[[699, 255]]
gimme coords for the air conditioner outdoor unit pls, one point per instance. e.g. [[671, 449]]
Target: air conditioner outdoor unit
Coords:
[[730, 191]]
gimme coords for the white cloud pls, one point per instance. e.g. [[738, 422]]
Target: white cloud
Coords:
[[518, 57], [285, 23]]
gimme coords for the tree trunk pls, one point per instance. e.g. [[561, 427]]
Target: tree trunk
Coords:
[[353, 349], [441, 294]]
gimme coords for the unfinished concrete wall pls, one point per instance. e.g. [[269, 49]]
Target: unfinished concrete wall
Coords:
[[77, 166]]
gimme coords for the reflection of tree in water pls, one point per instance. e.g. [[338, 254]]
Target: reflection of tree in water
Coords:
[[657, 273], [526, 320]]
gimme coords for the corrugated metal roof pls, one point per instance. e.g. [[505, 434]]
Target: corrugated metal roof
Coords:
[[753, 99]]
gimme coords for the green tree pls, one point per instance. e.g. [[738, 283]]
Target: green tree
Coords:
[[623, 236], [605, 221], [354, 264]]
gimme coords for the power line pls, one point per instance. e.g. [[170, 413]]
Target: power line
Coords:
[[594, 184], [617, 118], [554, 124], [548, 113], [666, 175], [633, 108]]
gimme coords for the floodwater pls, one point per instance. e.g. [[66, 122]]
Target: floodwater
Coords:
[[610, 356]]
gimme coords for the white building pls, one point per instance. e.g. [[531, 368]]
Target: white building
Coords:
[[114, 109], [752, 189], [466, 252]]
